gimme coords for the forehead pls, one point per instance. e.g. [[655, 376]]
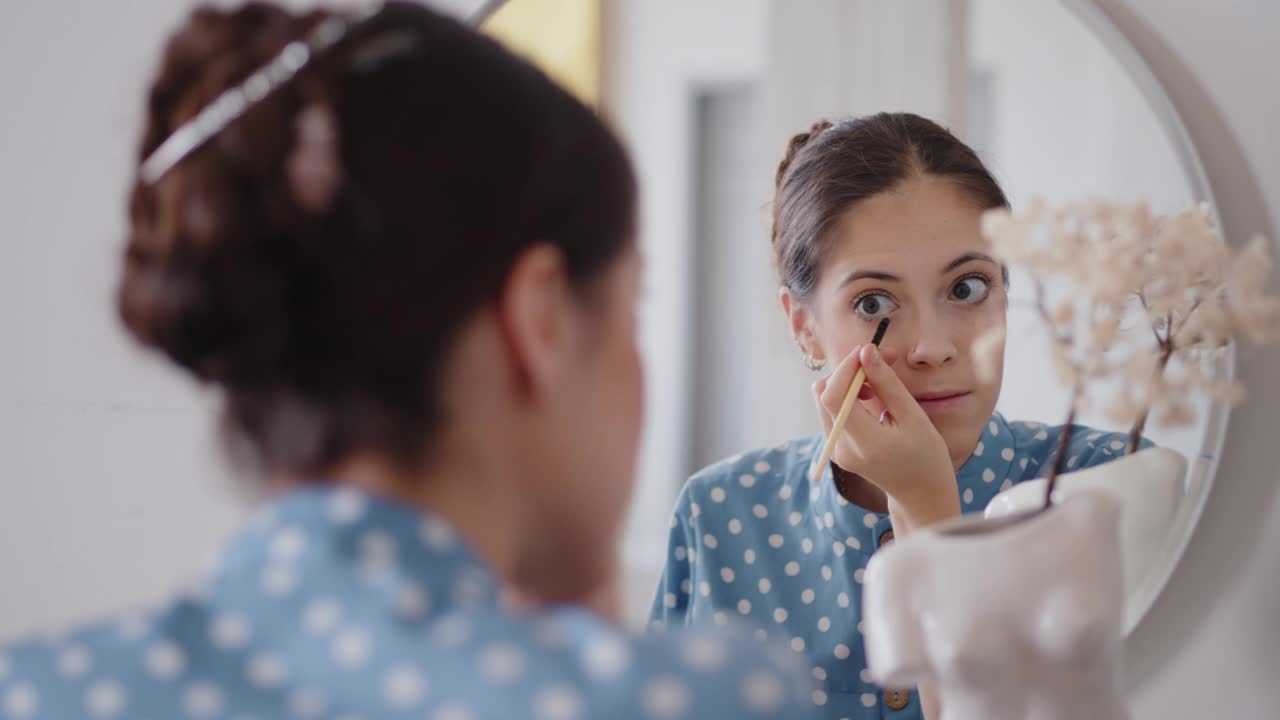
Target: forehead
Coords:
[[922, 224]]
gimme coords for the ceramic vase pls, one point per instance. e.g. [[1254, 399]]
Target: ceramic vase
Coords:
[[1017, 617]]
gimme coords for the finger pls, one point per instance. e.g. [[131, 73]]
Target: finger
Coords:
[[820, 385], [864, 422], [888, 386], [873, 405], [838, 383], [817, 389]]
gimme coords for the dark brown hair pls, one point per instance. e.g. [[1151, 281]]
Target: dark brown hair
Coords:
[[830, 168], [328, 330]]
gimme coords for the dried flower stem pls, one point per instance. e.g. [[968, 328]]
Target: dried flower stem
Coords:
[[1060, 453], [1139, 425], [1064, 340], [1168, 348]]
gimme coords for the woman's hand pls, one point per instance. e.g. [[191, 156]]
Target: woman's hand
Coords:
[[904, 455]]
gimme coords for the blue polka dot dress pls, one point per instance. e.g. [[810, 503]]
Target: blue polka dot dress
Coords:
[[752, 537], [336, 605]]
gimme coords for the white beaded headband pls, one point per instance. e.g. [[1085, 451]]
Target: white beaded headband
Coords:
[[234, 102]]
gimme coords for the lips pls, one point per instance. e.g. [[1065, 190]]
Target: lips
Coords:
[[939, 395], [943, 401]]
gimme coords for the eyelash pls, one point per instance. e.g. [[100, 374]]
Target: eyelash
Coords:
[[986, 278]]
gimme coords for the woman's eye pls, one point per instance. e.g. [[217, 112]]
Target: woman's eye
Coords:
[[971, 290], [874, 306]]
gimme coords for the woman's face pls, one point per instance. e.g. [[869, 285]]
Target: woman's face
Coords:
[[916, 255]]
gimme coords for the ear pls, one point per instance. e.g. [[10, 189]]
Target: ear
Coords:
[[535, 317], [801, 321]]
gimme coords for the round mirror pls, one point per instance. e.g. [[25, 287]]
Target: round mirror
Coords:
[[1053, 99]]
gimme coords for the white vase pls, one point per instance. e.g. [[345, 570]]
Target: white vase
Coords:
[[1150, 485], [1008, 618]]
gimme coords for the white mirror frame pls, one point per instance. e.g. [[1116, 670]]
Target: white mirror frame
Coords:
[[1203, 468]]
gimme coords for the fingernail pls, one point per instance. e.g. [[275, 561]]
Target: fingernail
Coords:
[[871, 356]]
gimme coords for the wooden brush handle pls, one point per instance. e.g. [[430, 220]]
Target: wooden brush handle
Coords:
[[838, 426]]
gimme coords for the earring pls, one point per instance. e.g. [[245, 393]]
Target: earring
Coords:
[[808, 359]]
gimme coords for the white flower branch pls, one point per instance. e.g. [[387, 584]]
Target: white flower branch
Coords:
[[1195, 296]]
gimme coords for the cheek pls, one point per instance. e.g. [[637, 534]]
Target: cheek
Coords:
[[837, 337], [979, 323], [626, 368], [619, 397]]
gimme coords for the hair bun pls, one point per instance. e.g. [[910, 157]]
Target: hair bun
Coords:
[[223, 324], [203, 281], [796, 143]]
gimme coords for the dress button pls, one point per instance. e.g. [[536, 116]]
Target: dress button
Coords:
[[886, 537], [897, 699]]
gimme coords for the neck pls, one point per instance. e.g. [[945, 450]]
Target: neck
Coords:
[[460, 487]]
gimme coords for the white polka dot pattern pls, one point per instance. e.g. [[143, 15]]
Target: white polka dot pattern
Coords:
[[21, 701], [267, 671], [165, 660], [74, 662], [666, 697], [605, 657], [558, 702], [501, 664], [404, 687], [332, 604], [203, 700], [105, 699]]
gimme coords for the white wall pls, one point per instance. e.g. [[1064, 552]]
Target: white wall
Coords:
[[1211, 645], [112, 487], [657, 53]]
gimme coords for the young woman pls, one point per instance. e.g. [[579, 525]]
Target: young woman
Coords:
[[406, 260], [874, 218]]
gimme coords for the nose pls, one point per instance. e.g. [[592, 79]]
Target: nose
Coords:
[[932, 345]]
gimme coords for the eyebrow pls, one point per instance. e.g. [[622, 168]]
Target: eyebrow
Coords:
[[889, 277], [968, 258]]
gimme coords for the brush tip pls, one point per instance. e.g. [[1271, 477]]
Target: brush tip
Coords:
[[880, 331]]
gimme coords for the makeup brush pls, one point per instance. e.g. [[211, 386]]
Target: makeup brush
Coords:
[[858, 379]]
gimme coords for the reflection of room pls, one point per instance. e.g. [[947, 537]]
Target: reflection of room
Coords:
[[1057, 110], [706, 115]]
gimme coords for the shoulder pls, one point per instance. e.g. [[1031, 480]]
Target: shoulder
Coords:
[[91, 671], [1085, 447], [570, 659], [750, 473], [563, 663]]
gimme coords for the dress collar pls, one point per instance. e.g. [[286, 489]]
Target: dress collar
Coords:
[[860, 529], [359, 543]]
